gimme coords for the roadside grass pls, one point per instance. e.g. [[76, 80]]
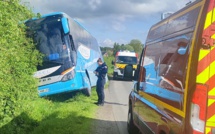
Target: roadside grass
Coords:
[[108, 60], [60, 114], [69, 113]]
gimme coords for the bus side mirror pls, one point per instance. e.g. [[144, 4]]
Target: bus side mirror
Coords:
[[65, 25]]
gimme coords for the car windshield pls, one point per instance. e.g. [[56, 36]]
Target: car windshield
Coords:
[[126, 60], [51, 42]]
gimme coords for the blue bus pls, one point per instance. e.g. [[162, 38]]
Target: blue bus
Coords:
[[69, 53]]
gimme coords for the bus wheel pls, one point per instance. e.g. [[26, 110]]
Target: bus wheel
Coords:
[[87, 91]]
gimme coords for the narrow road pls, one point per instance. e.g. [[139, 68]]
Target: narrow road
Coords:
[[112, 117]]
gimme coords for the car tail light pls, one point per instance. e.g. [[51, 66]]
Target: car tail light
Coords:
[[198, 109]]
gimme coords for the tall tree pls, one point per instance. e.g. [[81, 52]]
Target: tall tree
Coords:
[[129, 48], [137, 45], [116, 48], [123, 47]]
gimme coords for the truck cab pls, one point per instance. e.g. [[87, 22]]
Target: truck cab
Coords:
[[125, 64]]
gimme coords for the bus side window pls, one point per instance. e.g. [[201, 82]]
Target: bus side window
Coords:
[[73, 52], [72, 43]]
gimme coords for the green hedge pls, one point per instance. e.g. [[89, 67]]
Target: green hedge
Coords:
[[18, 60], [108, 60]]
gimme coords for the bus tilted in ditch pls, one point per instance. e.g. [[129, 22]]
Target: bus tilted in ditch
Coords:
[[69, 51]]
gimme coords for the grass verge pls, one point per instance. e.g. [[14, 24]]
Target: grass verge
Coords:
[[60, 114], [108, 60]]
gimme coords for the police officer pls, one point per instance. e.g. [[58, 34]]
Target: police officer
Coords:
[[100, 72]]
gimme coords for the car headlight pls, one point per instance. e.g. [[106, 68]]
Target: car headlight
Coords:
[[116, 67]]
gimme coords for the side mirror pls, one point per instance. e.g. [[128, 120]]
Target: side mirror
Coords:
[[141, 77], [65, 25], [136, 73], [182, 50], [136, 86], [135, 78]]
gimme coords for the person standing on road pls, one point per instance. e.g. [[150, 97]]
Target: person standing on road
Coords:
[[101, 72]]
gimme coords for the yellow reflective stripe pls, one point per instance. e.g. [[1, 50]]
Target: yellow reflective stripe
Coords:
[[210, 101], [213, 18], [121, 65], [212, 70], [206, 74], [203, 76], [208, 20], [207, 130], [212, 92], [210, 124], [203, 53], [213, 36], [157, 102]]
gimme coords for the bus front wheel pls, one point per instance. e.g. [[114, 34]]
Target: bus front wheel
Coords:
[[87, 91]]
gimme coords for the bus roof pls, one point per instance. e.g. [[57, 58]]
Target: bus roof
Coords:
[[59, 13], [54, 13]]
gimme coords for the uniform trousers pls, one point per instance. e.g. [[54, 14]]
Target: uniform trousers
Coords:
[[100, 90]]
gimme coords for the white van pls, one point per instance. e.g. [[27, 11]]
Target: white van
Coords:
[[124, 61]]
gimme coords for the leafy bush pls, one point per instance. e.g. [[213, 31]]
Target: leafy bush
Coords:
[[108, 60], [18, 60]]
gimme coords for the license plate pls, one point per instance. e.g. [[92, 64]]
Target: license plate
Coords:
[[43, 90]]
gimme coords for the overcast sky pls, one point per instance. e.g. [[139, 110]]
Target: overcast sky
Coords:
[[111, 21]]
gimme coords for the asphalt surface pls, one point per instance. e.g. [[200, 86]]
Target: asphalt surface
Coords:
[[112, 117]]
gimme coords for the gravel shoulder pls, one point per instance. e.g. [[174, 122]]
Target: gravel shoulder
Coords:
[[105, 121]]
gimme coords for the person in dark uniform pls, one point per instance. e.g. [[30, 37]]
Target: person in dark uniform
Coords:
[[101, 72]]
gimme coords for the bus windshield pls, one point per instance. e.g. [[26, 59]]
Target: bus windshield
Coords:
[[51, 41], [126, 60]]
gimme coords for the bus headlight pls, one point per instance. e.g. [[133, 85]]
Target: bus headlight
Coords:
[[68, 76]]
